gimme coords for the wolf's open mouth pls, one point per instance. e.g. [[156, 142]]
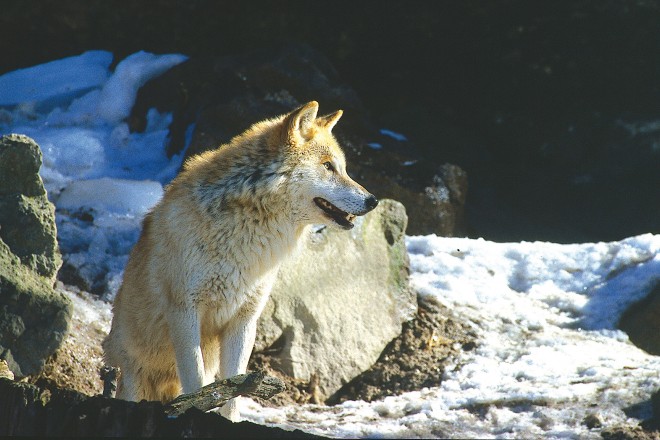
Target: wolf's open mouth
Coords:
[[342, 218]]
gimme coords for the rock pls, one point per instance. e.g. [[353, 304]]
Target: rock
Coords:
[[641, 322], [33, 317], [340, 301], [654, 422], [27, 218], [649, 429], [592, 421], [428, 346], [448, 193], [215, 99]]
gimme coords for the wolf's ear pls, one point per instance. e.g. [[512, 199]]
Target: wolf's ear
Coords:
[[329, 121], [300, 121]]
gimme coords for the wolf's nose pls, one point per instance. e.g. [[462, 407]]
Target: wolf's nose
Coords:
[[371, 202]]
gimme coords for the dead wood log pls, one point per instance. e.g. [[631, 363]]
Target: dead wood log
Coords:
[[218, 393], [211, 396]]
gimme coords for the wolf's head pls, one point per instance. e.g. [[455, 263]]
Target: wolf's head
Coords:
[[324, 191]]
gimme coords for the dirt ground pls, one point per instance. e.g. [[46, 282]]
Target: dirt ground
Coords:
[[76, 364]]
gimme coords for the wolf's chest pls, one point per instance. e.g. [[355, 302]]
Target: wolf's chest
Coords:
[[222, 299], [237, 269]]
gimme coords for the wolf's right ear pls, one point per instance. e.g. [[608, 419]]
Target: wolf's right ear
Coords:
[[300, 121]]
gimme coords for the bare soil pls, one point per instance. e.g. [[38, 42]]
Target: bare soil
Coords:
[[78, 361]]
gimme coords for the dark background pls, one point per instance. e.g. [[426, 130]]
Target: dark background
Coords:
[[551, 107]]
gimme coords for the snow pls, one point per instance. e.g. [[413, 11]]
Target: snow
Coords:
[[119, 92], [90, 311], [393, 134], [548, 352], [101, 177], [55, 81], [109, 196]]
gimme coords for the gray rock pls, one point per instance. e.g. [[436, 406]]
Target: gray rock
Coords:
[[27, 218], [448, 194], [641, 322], [33, 316], [340, 300]]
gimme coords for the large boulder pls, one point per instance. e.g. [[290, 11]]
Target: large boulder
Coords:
[[213, 100], [340, 300], [27, 218], [33, 316], [641, 322]]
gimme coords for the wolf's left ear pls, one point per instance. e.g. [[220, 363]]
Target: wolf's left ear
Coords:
[[299, 122], [329, 121]]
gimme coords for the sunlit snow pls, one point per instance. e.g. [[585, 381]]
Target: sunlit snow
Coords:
[[548, 353]]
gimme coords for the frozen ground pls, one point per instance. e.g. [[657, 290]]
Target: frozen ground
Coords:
[[548, 352]]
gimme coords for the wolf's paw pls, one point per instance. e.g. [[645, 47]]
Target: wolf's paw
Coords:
[[230, 410]]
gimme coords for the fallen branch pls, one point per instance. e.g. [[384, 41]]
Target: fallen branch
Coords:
[[218, 393], [211, 396], [109, 378]]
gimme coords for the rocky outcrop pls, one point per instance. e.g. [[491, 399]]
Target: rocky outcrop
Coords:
[[340, 300], [26, 216], [641, 322], [215, 99], [33, 317]]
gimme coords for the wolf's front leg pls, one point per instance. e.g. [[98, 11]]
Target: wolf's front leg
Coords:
[[127, 388], [184, 330], [237, 341]]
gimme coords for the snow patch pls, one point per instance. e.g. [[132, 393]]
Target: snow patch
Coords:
[[394, 135], [118, 196], [119, 92], [545, 316], [55, 82]]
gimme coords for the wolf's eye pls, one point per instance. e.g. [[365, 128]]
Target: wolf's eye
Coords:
[[328, 166]]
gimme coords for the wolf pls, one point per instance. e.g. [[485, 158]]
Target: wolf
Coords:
[[208, 254]]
